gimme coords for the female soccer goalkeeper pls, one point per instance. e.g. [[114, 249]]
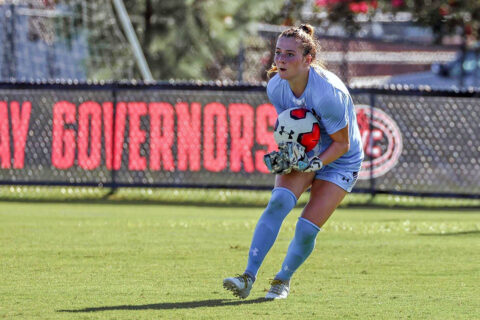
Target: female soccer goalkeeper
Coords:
[[300, 81]]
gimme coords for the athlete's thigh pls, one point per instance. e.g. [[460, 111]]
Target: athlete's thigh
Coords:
[[325, 197], [295, 181]]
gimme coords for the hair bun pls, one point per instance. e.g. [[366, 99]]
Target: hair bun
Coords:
[[308, 29]]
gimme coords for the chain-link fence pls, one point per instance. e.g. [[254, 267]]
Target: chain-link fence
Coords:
[[208, 136], [59, 40]]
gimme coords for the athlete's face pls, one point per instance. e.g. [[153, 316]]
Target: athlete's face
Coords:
[[289, 59]]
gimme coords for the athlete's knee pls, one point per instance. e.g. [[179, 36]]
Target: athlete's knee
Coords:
[[282, 200]]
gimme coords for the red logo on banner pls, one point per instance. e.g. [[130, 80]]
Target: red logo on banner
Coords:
[[382, 141]]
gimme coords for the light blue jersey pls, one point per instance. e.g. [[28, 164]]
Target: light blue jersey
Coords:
[[328, 98]]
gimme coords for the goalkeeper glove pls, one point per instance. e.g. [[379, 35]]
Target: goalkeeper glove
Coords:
[[291, 155], [299, 160], [277, 162], [311, 165]]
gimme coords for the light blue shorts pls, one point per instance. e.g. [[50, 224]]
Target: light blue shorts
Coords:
[[342, 178]]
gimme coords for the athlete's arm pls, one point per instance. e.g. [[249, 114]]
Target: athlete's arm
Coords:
[[339, 146]]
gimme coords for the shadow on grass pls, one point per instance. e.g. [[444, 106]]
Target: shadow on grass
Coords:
[[460, 233], [475, 209], [172, 305]]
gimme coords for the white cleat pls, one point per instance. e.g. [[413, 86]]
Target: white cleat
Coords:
[[240, 285], [278, 290]]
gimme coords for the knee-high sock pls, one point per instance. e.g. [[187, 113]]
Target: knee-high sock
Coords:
[[300, 248], [281, 203]]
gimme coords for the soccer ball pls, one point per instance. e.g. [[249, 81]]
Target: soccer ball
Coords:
[[299, 125]]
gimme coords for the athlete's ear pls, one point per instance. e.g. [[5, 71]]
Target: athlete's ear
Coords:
[[308, 59]]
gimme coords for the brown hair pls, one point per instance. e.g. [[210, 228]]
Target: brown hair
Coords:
[[304, 33]]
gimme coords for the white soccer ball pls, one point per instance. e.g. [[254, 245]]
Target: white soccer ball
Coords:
[[299, 125]]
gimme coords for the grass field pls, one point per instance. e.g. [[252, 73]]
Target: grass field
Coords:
[[145, 261]]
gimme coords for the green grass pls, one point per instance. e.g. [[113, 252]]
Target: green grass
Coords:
[[126, 261], [213, 197]]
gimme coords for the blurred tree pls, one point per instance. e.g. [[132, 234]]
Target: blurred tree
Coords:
[[444, 17], [201, 39], [196, 39], [447, 17]]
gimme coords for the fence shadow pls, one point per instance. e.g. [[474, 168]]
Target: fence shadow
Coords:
[[446, 234], [171, 305], [237, 204]]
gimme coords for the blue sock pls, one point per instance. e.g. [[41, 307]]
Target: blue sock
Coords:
[[281, 203], [300, 248]]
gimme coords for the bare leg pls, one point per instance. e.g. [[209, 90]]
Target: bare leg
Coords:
[[325, 197]]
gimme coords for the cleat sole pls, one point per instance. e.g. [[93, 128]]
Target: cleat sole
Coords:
[[232, 288]]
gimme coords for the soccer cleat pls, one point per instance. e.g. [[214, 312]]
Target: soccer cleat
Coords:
[[239, 285], [278, 290]]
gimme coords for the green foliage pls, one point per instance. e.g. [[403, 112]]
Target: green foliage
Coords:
[[202, 40], [110, 261], [186, 39]]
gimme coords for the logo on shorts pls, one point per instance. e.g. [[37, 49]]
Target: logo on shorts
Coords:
[[382, 141]]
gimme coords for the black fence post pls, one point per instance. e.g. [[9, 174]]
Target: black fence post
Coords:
[[370, 145], [461, 79], [345, 61], [241, 61], [113, 183], [8, 69]]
